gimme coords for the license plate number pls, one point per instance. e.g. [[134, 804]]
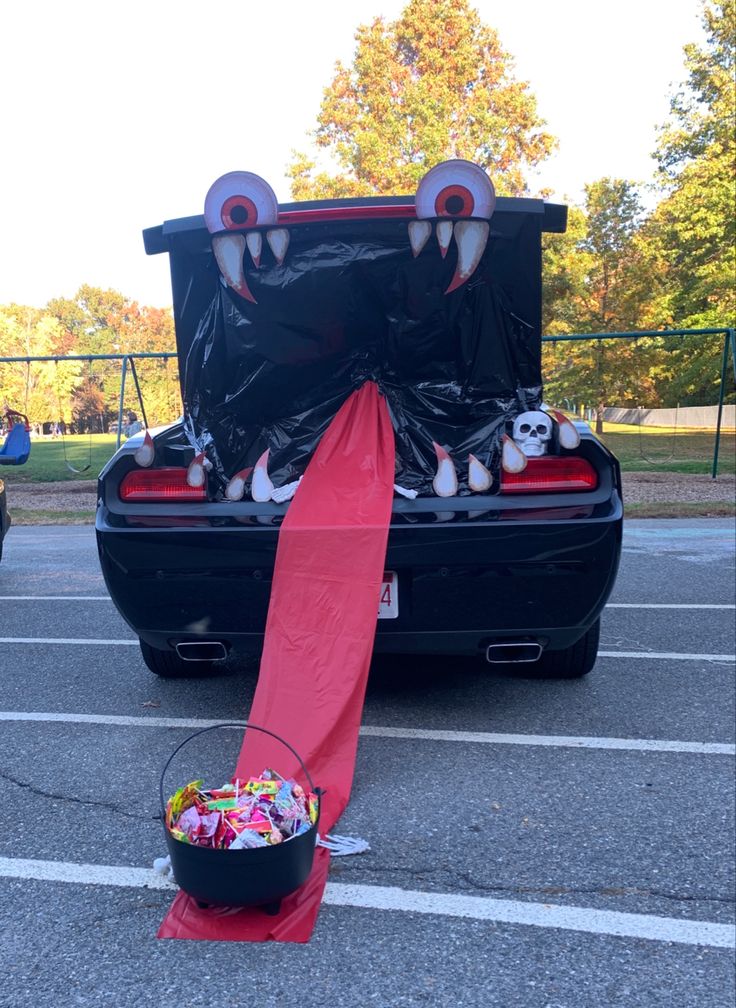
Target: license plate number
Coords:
[[388, 601]]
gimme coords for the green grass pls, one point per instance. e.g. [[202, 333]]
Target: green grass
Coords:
[[662, 449], [681, 509], [638, 450], [21, 516], [47, 464]]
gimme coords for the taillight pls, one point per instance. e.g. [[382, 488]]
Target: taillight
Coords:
[[551, 475], [166, 484]]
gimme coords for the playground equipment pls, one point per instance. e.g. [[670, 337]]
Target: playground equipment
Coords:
[[17, 446], [672, 447]]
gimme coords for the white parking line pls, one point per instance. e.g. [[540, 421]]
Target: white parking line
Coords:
[[55, 598], [667, 605], [610, 605], [394, 899], [553, 741], [68, 640], [421, 734], [668, 655]]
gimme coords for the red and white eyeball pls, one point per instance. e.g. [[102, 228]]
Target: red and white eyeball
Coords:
[[240, 200], [455, 189]]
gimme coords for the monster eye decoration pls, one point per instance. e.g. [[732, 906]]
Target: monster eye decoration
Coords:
[[236, 205], [455, 193], [239, 200]]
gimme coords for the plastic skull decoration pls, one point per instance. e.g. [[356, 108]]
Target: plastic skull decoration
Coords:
[[533, 432]]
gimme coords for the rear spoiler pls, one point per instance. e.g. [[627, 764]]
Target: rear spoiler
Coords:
[[157, 239]]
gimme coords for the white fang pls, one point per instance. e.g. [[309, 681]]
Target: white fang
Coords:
[[229, 250], [261, 487], [479, 479], [254, 241], [445, 481], [444, 235], [471, 237], [195, 472], [513, 459], [566, 430], [278, 241], [419, 232], [145, 454], [236, 487]]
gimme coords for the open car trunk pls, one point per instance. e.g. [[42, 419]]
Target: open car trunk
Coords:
[[351, 301]]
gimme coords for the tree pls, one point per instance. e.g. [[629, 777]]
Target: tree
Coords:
[[435, 84], [94, 319], [34, 388], [691, 235], [591, 279], [97, 321], [90, 412]]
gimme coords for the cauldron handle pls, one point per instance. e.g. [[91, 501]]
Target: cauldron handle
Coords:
[[229, 724]]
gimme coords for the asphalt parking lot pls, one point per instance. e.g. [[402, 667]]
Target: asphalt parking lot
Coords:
[[532, 843]]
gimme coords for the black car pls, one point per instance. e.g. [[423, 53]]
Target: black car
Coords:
[[281, 312]]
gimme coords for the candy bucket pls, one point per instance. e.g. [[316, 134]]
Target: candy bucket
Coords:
[[238, 878]]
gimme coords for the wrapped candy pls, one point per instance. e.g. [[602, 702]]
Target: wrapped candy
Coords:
[[259, 812], [181, 800]]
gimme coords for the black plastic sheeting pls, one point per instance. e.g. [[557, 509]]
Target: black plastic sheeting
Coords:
[[351, 303]]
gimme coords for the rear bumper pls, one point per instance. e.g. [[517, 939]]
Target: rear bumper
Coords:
[[489, 570]]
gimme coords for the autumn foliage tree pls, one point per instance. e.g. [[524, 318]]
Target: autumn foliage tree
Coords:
[[616, 269], [432, 85], [690, 238], [92, 322], [591, 275]]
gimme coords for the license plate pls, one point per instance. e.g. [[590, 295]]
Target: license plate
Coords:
[[388, 602]]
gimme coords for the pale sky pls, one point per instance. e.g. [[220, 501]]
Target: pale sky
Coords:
[[117, 116]]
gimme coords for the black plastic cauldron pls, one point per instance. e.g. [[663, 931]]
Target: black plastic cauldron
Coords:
[[259, 876]]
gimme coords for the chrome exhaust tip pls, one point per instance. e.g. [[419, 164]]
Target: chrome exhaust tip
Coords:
[[512, 652], [201, 651]]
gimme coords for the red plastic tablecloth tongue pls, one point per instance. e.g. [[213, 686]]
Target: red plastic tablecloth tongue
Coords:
[[317, 649]]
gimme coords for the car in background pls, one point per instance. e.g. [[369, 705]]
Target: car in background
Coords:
[[4, 515], [271, 341]]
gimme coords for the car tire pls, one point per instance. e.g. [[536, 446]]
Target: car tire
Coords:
[[573, 662], [169, 665]]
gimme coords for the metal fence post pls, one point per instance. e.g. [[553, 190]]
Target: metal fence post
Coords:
[[123, 372], [727, 342]]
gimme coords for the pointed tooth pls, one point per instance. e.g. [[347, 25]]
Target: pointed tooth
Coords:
[[195, 471], [513, 459], [444, 235], [145, 454], [479, 478], [567, 431], [278, 241], [419, 232], [471, 238], [229, 250], [445, 480], [236, 487], [254, 241], [261, 486]]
